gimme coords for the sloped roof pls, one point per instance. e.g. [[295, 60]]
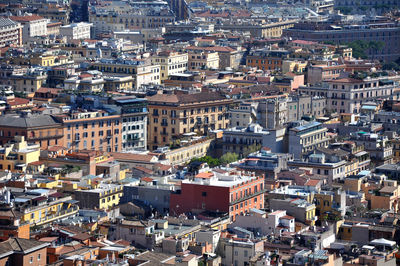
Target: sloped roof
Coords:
[[20, 245], [27, 121]]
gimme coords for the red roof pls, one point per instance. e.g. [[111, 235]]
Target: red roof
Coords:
[[147, 179], [26, 18], [18, 101], [312, 182], [206, 175]]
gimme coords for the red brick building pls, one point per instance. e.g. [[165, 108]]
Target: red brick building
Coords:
[[232, 193]]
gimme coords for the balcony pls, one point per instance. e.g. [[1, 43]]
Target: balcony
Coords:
[[39, 138], [58, 215], [164, 133], [247, 197], [164, 124]]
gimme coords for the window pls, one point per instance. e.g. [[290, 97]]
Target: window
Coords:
[[31, 259], [38, 257], [204, 194]]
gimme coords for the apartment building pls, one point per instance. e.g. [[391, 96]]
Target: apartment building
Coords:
[[142, 71], [140, 15], [234, 194], [170, 63], [173, 115], [228, 57], [76, 31], [134, 122], [323, 72], [387, 32], [300, 209], [10, 32], [104, 197], [91, 81], [305, 137], [347, 95], [24, 80], [40, 129], [267, 59], [203, 60], [32, 26], [17, 155], [239, 251], [96, 130], [240, 139]]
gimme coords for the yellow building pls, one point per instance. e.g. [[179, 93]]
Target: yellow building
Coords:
[[171, 116], [16, 156], [27, 83], [46, 209], [293, 66], [118, 83], [203, 60], [170, 63], [104, 197], [187, 152]]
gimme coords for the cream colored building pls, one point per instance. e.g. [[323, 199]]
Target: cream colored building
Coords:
[[203, 60], [170, 63]]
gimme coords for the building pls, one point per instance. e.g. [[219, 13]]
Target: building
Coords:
[[203, 60], [323, 72], [96, 130], [300, 209], [39, 129], [170, 63], [267, 59], [10, 32], [347, 95], [76, 31], [11, 225], [173, 115], [242, 140], [91, 81], [142, 71], [40, 207], [238, 251], [32, 26], [304, 137], [340, 33], [228, 57], [134, 122], [266, 163], [104, 197], [27, 81], [19, 251], [17, 155], [233, 194]]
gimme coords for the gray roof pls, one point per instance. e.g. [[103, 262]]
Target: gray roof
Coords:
[[6, 22], [27, 121]]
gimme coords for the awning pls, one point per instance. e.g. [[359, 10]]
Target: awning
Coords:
[[383, 242]]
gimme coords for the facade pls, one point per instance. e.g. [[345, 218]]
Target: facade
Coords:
[[11, 32], [267, 59], [239, 140], [211, 191], [103, 197], [76, 31], [347, 95], [300, 209], [134, 122], [33, 25], [170, 63], [40, 129], [142, 71], [203, 60], [27, 81], [305, 137], [173, 115], [17, 156], [305, 105], [321, 31], [319, 73], [95, 130]]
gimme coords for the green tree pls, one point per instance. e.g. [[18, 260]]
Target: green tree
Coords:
[[229, 157]]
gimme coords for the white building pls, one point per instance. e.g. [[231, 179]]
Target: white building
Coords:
[[170, 63], [76, 31], [33, 25]]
